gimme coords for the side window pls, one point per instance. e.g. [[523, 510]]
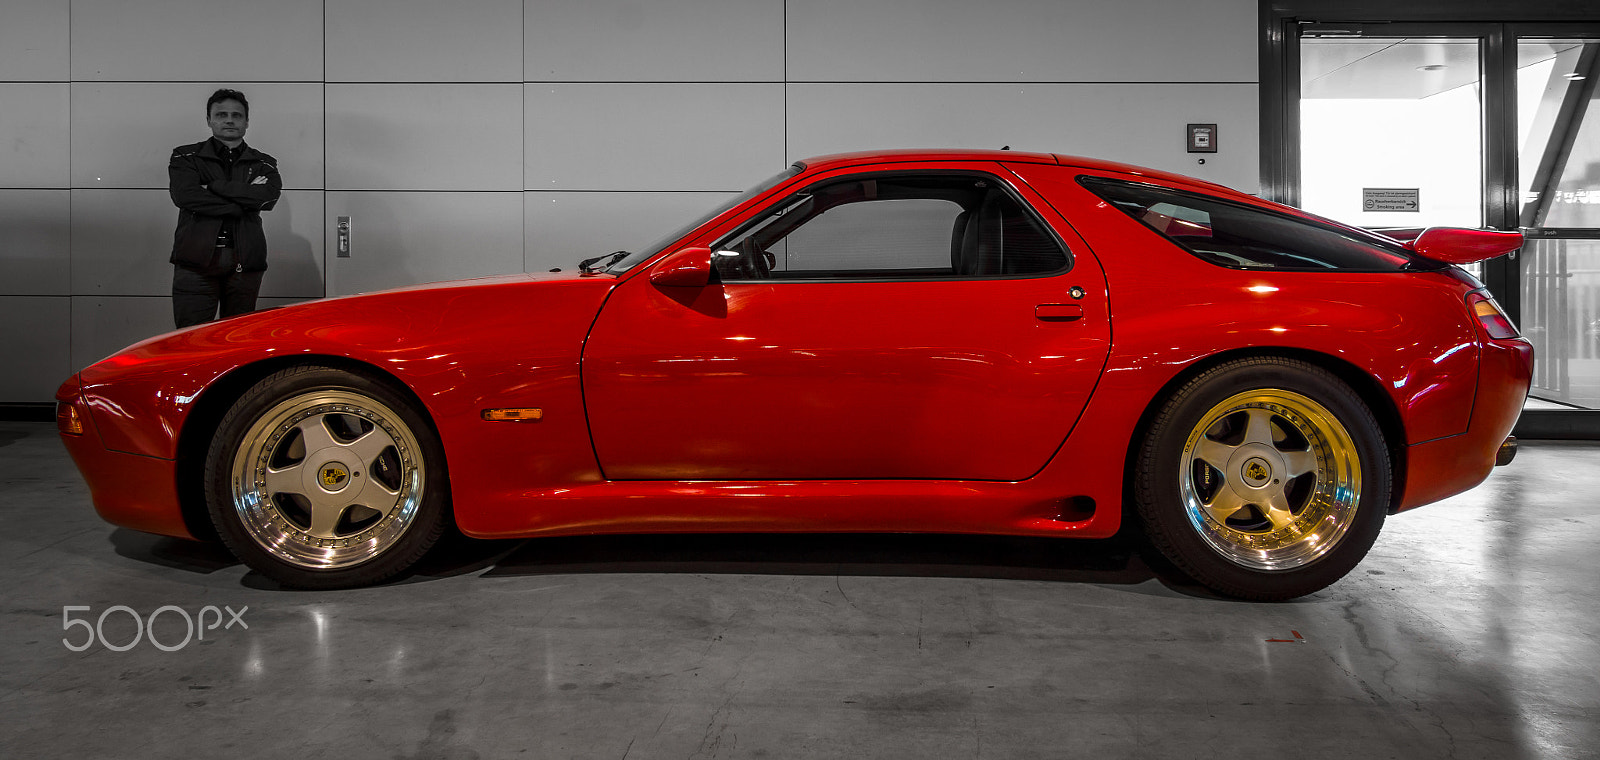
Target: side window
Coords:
[[893, 226], [913, 233], [1244, 237]]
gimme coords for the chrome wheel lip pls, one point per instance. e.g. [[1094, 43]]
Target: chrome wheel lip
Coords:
[[254, 484], [1328, 509]]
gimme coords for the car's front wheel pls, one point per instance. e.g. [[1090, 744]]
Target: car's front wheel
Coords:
[[1264, 479], [322, 478]]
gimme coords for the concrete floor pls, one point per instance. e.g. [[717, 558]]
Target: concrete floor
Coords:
[[1469, 632]]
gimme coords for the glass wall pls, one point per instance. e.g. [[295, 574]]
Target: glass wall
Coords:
[[1561, 315], [1558, 129], [1558, 124]]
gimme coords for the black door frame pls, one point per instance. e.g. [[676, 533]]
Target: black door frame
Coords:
[[1497, 23]]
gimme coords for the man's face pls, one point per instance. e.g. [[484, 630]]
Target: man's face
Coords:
[[228, 120]]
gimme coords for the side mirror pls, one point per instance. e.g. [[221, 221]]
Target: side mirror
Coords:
[[684, 268]]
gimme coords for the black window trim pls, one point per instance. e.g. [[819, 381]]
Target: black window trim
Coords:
[[1414, 263], [1005, 185]]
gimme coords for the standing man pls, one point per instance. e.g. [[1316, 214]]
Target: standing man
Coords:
[[220, 187]]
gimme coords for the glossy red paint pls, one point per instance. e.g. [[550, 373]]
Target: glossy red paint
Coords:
[[1172, 315], [956, 380], [458, 347], [1445, 467], [130, 490], [957, 405], [685, 268]]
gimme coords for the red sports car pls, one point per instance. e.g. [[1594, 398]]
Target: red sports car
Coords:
[[955, 342]]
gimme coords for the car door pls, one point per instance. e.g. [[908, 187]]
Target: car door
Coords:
[[932, 322]]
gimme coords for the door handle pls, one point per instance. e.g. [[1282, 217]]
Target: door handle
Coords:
[[1058, 312]]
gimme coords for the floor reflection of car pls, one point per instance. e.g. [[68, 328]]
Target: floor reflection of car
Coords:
[[953, 342]]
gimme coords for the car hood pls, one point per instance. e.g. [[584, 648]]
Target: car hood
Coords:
[[396, 310]]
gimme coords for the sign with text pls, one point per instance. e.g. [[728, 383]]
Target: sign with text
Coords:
[[1391, 199]]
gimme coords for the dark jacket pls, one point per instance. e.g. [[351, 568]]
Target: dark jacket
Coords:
[[206, 194]]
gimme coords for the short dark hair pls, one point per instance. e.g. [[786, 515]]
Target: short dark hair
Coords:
[[226, 94]]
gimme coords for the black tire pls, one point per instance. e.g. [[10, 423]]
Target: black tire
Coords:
[[1264, 479], [323, 478]]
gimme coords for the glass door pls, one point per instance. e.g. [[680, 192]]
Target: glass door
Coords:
[[1391, 130], [1558, 138]]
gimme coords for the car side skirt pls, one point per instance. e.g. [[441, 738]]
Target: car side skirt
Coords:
[[866, 506]]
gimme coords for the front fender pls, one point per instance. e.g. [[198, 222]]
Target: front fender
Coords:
[[452, 346]]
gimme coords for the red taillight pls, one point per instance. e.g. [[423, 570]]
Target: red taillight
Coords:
[[68, 420], [1494, 321]]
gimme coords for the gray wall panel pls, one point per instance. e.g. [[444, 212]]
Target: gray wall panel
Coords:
[[123, 133], [104, 325], [33, 41], [1141, 124], [122, 240], [295, 258], [36, 341], [424, 137], [33, 134], [565, 228], [424, 41], [1022, 41], [653, 136], [35, 242], [660, 41], [405, 238], [197, 40]]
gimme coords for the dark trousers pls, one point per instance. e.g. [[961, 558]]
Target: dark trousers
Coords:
[[196, 296]]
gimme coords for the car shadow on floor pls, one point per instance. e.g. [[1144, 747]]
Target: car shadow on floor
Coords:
[[176, 553], [1112, 562]]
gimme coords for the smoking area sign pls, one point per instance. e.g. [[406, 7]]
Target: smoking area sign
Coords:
[[1391, 199]]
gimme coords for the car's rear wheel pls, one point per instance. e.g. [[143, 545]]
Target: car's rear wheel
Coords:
[[1264, 479], [322, 478]]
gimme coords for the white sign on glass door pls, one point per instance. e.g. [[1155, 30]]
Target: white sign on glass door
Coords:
[[1391, 199]]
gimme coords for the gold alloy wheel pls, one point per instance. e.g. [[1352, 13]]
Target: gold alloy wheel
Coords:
[[1270, 479], [327, 479]]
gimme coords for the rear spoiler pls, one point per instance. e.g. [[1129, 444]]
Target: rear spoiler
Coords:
[[1455, 245]]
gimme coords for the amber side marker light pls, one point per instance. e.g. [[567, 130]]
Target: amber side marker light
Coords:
[[513, 415], [1491, 317], [67, 419]]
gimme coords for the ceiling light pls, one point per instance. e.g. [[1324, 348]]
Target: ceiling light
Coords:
[[1576, 77], [1433, 67]]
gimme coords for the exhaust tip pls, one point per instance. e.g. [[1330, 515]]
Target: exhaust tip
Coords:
[[1508, 452]]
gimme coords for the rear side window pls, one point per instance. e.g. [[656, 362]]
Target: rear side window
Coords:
[[1244, 237]]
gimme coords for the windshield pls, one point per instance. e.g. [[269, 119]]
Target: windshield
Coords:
[[655, 247]]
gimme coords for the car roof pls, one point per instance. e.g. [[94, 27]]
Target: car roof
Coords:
[[837, 160], [843, 160]]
